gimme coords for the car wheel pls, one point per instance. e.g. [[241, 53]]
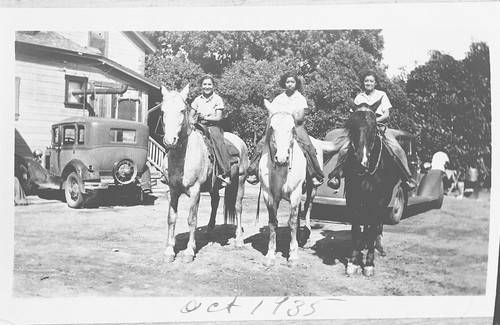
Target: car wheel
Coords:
[[73, 192], [398, 207], [24, 177]]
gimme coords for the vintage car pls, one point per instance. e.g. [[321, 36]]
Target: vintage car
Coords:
[[429, 191], [88, 154]]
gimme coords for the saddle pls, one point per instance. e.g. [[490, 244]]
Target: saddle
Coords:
[[233, 151]]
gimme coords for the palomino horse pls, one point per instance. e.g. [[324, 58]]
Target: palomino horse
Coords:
[[190, 170], [282, 173], [370, 178]]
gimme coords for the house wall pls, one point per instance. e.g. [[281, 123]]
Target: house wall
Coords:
[[120, 49], [123, 51], [41, 100]]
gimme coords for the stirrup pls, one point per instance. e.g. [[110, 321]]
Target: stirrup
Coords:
[[252, 179], [225, 181], [410, 184], [334, 182], [316, 181]]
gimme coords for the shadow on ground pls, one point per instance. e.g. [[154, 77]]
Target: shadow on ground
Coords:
[[221, 235], [334, 247], [260, 241], [102, 199]]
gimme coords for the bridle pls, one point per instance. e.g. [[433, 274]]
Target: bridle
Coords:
[[367, 170], [185, 121], [378, 135]]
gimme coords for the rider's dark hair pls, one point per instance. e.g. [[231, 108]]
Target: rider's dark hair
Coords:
[[292, 74], [204, 77]]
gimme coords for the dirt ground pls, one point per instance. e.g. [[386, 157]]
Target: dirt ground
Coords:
[[116, 250]]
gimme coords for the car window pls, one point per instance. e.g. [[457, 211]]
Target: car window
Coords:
[[81, 134], [69, 134], [122, 135], [55, 135]]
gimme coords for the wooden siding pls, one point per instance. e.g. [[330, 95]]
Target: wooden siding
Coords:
[[41, 102], [123, 51]]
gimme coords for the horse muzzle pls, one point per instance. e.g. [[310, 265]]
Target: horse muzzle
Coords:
[[281, 161], [170, 143]]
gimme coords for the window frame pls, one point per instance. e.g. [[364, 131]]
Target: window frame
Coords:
[[68, 79]]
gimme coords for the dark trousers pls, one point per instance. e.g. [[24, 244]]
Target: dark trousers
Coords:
[[390, 143], [313, 167], [221, 152]]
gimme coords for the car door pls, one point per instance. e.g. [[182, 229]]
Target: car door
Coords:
[[68, 145]]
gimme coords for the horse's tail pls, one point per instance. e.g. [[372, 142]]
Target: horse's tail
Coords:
[[230, 196]]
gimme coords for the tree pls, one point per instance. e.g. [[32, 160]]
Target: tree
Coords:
[[244, 86], [214, 51], [453, 99]]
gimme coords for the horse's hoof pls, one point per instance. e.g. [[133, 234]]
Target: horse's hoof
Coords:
[[187, 258], [239, 244], [168, 258], [293, 263], [369, 271], [269, 262], [308, 244], [351, 269]]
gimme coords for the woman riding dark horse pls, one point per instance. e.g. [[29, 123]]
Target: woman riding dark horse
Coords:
[[297, 104], [377, 101], [369, 183]]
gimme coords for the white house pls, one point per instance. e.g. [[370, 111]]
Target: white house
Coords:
[[50, 66]]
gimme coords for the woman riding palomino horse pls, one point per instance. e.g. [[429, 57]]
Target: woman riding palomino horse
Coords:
[[209, 107], [282, 173], [296, 103], [374, 99], [190, 171]]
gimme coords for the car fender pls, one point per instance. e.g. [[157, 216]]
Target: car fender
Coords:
[[77, 166], [431, 186]]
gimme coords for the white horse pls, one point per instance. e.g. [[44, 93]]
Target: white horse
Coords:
[[190, 171], [282, 173]]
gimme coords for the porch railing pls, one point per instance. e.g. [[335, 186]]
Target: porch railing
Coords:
[[155, 153]]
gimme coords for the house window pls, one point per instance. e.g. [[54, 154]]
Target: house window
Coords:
[[98, 40], [128, 109], [74, 83]]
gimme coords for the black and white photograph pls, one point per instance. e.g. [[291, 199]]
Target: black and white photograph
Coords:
[[250, 163]]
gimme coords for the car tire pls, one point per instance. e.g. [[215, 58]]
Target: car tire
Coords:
[[73, 191], [398, 207], [439, 201]]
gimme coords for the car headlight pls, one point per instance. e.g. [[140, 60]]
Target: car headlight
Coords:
[[125, 171]]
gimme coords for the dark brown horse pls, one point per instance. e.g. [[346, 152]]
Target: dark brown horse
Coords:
[[370, 177]]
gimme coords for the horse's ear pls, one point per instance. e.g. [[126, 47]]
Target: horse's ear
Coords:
[[375, 105], [164, 90], [268, 105], [351, 104], [185, 92]]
